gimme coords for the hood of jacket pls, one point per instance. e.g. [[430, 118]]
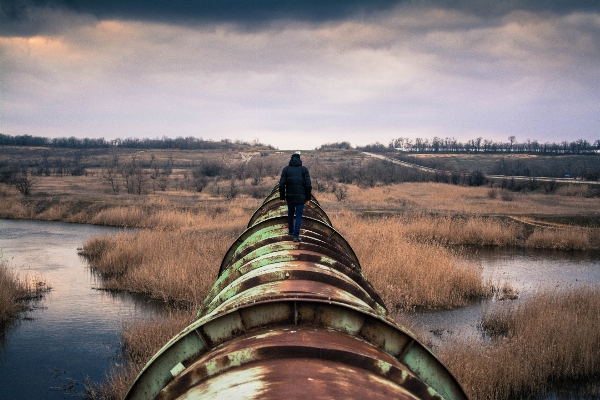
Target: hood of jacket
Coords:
[[295, 161]]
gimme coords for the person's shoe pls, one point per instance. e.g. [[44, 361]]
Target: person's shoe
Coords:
[[297, 239]]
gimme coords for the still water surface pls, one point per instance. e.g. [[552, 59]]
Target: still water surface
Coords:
[[73, 333], [527, 270]]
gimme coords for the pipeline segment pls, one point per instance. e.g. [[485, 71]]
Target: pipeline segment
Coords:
[[293, 320]]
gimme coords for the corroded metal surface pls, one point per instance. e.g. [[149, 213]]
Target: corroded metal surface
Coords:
[[293, 320]]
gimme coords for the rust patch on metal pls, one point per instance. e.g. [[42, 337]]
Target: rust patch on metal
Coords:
[[301, 348], [294, 320]]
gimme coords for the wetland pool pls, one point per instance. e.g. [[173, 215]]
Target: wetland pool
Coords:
[[73, 333]]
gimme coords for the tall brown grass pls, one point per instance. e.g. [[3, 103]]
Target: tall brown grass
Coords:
[[15, 209], [477, 231], [573, 190], [550, 337], [15, 290], [408, 273], [177, 266], [569, 238], [139, 217], [141, 340]]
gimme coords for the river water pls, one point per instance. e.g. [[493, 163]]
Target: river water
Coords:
[[73, 333], [527, 271]]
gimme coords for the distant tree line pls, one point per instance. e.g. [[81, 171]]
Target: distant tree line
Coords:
[[371, 172], [187, 143], [478, 145]]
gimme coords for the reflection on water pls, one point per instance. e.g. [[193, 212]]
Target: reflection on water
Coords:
[[73, 333], [527, 270]]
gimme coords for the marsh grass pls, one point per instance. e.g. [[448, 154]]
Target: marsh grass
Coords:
[[140, 341], [16, 291], [472, 231], [176, 266], [176, 262], [409, 273], [547, 338], [566, 238], [573, 190]]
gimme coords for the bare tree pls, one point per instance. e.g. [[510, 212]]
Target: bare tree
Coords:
[[162, 183], [24, 182], [126, 172], [232, 191], [139, 177], [109, 175], [200, 183], [340, 192], [320, 185]]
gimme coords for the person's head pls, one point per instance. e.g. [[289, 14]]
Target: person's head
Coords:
[[295, 159]]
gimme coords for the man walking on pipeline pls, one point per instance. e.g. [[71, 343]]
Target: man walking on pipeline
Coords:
[[295, 188]]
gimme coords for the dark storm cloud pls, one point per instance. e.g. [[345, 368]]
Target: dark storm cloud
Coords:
[[17, 15], [26, 17]]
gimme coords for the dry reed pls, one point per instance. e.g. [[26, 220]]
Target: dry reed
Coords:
[[570, 238], [573, 190], [15, 291], [408, 273], [476, 231], [141, 340], [55, 213], [547, 338], [177, 266], [11, 289], [160, 215], [12, 208]]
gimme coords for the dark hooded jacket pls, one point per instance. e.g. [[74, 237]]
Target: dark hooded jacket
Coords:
[[294, 184]]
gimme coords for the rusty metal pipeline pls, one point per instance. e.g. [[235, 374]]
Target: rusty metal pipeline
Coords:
[[293, 320]]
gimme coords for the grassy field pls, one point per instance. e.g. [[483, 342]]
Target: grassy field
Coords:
[[398, 231]]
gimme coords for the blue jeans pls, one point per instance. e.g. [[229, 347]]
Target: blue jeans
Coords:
[[298, 209]]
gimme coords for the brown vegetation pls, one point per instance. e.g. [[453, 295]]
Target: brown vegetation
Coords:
[[177, 262], [409, 272], [141, 340], [549, 337], [567, 238], [15, 291]]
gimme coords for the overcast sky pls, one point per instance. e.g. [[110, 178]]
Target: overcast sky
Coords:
[[300, 73]]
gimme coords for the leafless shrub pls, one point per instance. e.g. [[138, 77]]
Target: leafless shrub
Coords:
[[507, 196], [24, 183], [232, 190], [340, 191]]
